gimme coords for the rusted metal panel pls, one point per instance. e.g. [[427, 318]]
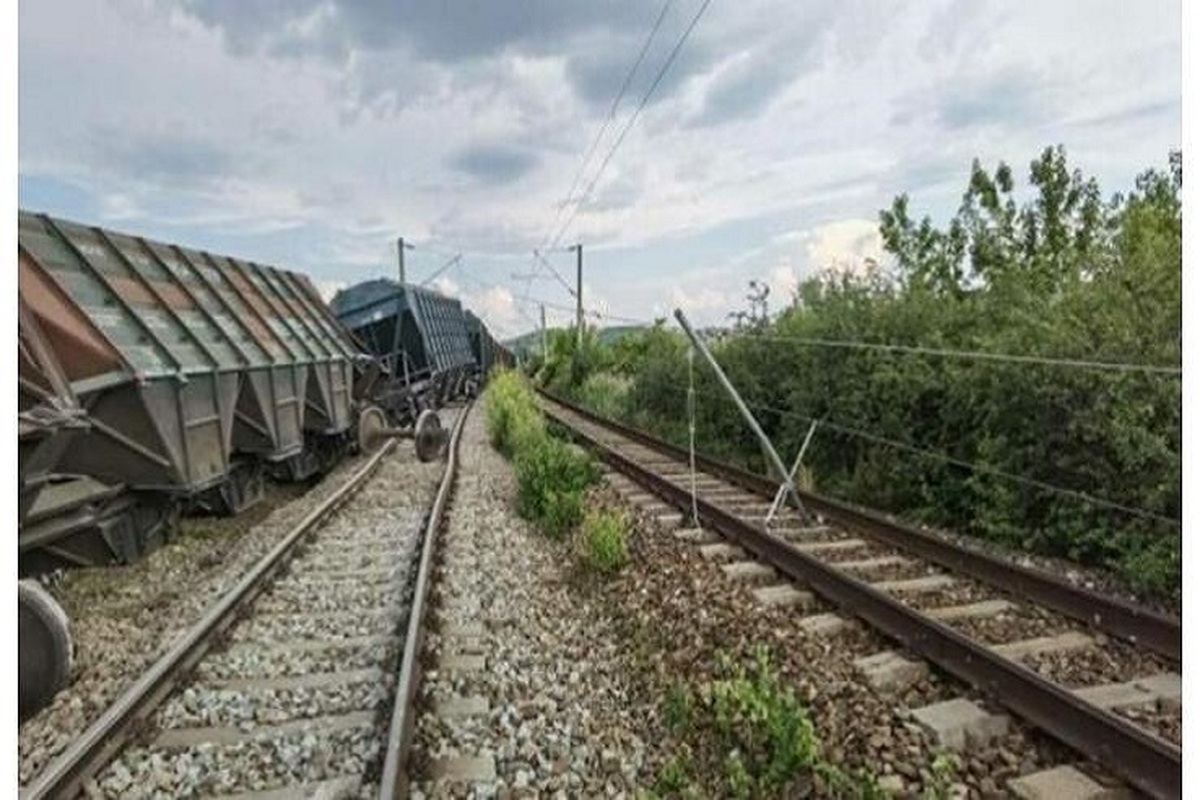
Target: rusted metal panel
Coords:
[[183, 359], [48, 414], [83, 350]]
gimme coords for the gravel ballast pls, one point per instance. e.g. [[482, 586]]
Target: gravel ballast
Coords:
[[124, 618], [560, 714]]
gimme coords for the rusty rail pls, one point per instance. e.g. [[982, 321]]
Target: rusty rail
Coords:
[[1138, 625], [394, 782], [1149, 763]]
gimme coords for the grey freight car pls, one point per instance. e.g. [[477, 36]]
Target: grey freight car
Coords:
[[196, 371]]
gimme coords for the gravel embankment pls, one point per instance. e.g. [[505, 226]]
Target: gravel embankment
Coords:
[[561, 714], [683, 614], [125, 617]]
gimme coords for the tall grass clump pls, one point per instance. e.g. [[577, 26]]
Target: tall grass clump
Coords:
[[551, 480], [513, 418], [551, 475], [605, 393], [604, 537]]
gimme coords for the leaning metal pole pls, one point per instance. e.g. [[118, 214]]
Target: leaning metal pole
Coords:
[[769, 448]]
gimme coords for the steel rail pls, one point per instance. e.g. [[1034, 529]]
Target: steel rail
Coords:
[[105, 737], [1136, 624], [394, 781], [1147, 762]]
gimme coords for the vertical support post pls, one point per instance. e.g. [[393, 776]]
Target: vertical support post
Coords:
[[772, 455], [543, 308], [579, 295], [400, 252]]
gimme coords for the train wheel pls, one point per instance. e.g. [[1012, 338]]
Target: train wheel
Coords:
[[43, 648], [371, 423], [430, 438]]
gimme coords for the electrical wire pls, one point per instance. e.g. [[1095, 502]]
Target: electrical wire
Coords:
[[985, 469], [570, 289], [632, 118], [612, 112], [594, 313], [691, 410], [456, 258], [982, 355]]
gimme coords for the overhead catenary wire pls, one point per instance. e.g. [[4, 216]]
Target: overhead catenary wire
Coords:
[[632, 118], [594, 313], [986, 469], [456, 258], [570, 289], [612, 112], [981, 355]]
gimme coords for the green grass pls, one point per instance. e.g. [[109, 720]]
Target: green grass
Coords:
[[552, 476], [604, 537]]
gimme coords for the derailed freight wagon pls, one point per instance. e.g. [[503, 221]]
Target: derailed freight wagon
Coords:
[[488, 352], [155, 378], [196, 373], [419, 338]]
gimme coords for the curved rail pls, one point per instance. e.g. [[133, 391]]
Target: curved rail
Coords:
[[105, 737], [394, 781], [1138, 625], [1150, 763]]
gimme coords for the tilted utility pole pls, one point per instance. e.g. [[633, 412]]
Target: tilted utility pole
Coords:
[[772, 455]]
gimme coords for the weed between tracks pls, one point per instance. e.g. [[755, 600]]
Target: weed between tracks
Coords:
[[745, 734], [736, 728], [553, 477]]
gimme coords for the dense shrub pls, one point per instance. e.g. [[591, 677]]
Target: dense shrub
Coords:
[[971, 444], [552, 476], [551, 480], [603, 392], [513, 418], [755, 732]]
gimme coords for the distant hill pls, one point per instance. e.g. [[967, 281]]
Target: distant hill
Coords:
[[532, 341]]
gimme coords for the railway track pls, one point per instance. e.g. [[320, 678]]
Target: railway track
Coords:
[[300, 681], [966, 612]]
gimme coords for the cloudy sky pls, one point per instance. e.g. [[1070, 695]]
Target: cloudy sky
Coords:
[[310, 133]]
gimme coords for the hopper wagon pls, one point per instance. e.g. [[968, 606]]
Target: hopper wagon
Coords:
[[197, 373], [489, 354], [419, 339], [155, 379]]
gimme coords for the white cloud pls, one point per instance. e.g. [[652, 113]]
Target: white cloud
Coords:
[[446, 286], [345, 144], [843, 244], [327, 289]]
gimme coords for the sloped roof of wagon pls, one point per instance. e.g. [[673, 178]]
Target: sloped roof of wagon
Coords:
[[170, 310]]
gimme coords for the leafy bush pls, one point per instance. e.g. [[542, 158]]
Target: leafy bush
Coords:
[[673, 780], [1061, 275], [604, 393], [765, 729], [551, 475], [551, 480], [678, 708], [604, 534], [513, 417]]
